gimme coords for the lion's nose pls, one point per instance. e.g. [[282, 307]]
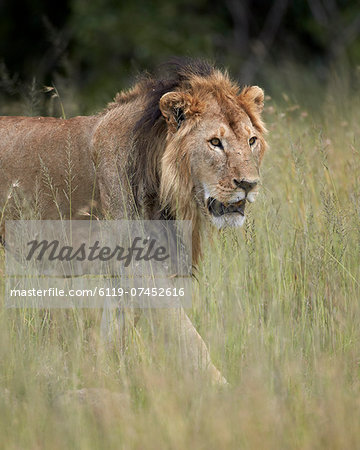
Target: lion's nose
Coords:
[[246, 185]]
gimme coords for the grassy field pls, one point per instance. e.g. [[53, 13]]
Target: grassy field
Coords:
[[278, 302]]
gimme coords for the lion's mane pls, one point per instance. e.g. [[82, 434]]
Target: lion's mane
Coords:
[[163, 178]]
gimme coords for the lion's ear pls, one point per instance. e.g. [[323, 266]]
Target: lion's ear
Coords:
[[174, 106], [253, 97]]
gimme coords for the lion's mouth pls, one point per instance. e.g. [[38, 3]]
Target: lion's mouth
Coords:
[[218, 209]]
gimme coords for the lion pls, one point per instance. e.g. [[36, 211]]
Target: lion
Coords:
[[187, 146]]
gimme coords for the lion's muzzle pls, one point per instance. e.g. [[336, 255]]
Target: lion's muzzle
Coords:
[[218, 209]]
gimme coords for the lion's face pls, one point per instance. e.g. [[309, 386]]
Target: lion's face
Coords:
[[223, 148], [225, 167]]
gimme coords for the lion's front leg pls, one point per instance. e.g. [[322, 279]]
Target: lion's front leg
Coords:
[[178, 328]]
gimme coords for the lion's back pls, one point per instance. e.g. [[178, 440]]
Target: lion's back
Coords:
[[50, 156]]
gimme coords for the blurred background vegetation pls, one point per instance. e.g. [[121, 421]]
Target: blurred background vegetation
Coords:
[[91, 50]]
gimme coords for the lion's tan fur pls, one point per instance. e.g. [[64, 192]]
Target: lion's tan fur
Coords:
[[111, 151], [120, 161], [146, 155]]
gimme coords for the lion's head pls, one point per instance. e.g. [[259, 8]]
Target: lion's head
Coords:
[[214, 147], [220, 141], [204, 142]]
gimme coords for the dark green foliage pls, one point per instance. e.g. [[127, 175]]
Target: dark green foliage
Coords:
[[101, 45]]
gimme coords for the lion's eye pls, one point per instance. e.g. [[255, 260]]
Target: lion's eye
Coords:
[[216, 142], [252, 140]]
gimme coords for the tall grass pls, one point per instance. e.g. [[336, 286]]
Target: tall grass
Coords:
[[278, 303]]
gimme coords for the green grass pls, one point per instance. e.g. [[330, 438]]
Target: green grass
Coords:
[[278, 303]]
